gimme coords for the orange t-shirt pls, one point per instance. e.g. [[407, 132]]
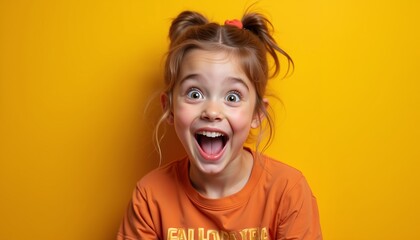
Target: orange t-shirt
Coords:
[[276, 203]]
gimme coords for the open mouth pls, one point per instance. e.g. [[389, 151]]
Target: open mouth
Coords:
[[212, 143]]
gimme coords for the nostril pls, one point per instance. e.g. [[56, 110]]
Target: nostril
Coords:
[[211, 115]]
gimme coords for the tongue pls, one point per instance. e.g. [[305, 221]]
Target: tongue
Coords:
[[211, 146]]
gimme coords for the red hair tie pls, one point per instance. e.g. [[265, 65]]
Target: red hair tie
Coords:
[[235, 23]]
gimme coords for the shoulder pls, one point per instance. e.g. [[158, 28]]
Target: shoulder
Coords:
[[295, 203], [281, 176], [278, 169], [163, 176]]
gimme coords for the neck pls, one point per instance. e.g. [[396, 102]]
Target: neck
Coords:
[[230, 181]]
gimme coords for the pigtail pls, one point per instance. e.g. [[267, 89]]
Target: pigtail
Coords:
[[262, 28], [183, 22]]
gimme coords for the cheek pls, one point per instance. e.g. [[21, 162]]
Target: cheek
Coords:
[[183, 116], [241, 120]]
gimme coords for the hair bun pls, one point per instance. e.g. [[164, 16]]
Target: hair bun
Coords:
[[183, 22], [260, 26], [257, 24]]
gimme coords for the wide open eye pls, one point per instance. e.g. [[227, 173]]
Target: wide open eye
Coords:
[[194, 93], [233, 96]]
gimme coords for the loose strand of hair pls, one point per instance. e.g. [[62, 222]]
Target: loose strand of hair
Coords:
[[158, 137]]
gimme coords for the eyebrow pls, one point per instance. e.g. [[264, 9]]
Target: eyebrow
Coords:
[[198, 77], [189, 77]]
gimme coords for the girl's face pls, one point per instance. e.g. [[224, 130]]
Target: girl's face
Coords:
[[213, 111]]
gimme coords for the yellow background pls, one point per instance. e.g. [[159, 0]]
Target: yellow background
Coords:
[[76, 76]]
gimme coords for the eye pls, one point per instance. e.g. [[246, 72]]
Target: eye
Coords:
[[194, 93], [233, 96]]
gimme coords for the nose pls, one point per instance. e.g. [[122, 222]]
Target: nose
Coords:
[[212, 111]]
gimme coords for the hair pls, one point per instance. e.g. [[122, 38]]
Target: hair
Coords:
[[253, 45]]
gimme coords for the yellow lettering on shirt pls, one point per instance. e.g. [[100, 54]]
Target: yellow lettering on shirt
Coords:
[[257, 233], [253, 234]]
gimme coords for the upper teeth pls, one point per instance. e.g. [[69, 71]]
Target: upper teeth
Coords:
[[211, 134]]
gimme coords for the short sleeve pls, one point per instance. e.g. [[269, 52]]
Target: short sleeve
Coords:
[[137, 222], [299, 217]]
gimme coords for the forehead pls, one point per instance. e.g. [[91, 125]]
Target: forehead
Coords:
[[217, 64]]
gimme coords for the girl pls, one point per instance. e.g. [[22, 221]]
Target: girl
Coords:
[[216, 76]]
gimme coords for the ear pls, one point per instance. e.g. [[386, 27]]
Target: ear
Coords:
[[165, 102], [259, 116]]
